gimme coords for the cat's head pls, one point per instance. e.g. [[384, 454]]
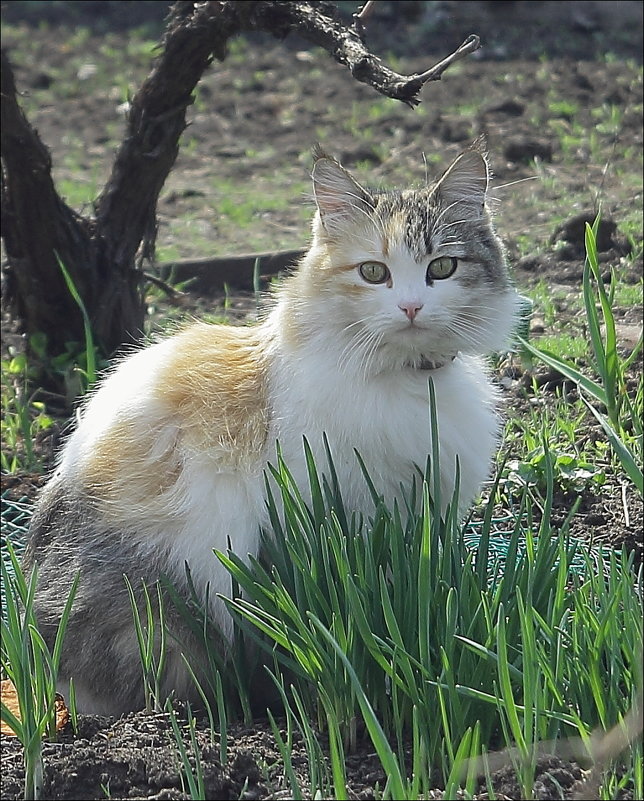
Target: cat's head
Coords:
[[411, 275]]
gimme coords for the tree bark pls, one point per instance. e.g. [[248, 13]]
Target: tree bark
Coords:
[[105, 253], [37, 225]]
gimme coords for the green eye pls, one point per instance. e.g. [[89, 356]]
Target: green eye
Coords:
[[441, 268], [374, 272]]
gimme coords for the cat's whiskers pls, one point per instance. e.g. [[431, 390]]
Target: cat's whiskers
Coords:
[[470, 326], [460, 223], [366, 353], [354, 345], [355, 322], [437, 221], [465, 335], [475, 313], [461, 201], [370, 353], [352, 349], [372, 216], [452, 243], [358, 354]]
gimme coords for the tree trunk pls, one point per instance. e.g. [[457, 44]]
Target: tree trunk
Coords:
[[103, 254], [39, 229]]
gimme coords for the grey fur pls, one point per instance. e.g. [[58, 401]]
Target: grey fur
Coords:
[[100, 648]]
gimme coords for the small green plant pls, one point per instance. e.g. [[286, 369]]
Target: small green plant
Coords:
[[193, 776], [622, 420], [23, 417], [31, 666], [572, 473], [150, 637], [89, 373]]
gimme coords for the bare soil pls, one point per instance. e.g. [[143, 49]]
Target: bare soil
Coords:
[[534, 91]]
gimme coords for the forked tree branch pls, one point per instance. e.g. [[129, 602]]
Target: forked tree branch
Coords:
[[320, 23]]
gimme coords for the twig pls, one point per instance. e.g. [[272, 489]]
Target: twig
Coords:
[[627, 517], [471, 44], [169, 290], [365, 11], [360, 16]]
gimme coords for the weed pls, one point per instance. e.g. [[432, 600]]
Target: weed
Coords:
[[623, 413], [89, 373], [31, 666], [150, 637], [23, 417], [193, 776]]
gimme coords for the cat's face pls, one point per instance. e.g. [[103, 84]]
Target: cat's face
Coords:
[[413, 275]]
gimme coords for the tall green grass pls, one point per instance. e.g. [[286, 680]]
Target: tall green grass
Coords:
[[399, 622]]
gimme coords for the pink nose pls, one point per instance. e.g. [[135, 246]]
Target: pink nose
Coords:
[[411, 308]]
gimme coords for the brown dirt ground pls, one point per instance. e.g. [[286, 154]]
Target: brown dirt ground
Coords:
[[251, 131]]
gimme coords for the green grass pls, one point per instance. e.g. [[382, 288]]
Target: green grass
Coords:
[[23, 417], [30, 665], [406, 622], [605, 393]]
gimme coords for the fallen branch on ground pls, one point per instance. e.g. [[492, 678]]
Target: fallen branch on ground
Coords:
[[208, 276]]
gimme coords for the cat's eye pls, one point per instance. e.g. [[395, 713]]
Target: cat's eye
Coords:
[[374, 272], [441, 268]]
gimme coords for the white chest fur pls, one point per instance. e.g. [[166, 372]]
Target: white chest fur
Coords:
[[386, 418]]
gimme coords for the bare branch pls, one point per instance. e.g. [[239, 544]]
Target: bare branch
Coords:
[[170, 291], [471, 44], [320, 24], [366, 9], [360, 17]]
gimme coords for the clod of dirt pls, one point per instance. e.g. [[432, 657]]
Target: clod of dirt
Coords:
[[552, 778], [573, 231], [42, 80], [526, 148], [351, 156], [509, 107]]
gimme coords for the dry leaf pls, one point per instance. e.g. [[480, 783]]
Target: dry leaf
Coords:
[[10, 700]]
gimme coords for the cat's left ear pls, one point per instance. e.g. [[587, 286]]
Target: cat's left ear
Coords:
[[339, 197], [466, 180]]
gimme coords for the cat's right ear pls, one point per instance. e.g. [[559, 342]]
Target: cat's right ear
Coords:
[[339, 197], [466, 180]]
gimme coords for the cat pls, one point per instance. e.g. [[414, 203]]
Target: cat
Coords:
[[168, 459]]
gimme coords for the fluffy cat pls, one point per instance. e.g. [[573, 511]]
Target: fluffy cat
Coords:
[[168, 458]]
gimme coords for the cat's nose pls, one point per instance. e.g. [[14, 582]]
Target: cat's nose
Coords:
[[410, 308]]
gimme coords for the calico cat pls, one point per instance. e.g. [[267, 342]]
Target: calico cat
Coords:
[[168, 459]]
